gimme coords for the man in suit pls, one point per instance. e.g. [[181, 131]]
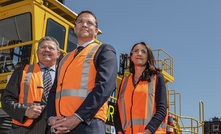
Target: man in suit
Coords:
[[25, 97], [85, 80]]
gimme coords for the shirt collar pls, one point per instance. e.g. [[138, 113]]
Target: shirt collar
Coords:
[[42, 66], [86, 43]]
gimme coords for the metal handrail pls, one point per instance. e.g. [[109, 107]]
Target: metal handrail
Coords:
[[180, 122], [164, 61]]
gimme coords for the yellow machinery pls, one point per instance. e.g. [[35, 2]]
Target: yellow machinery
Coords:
[[24, 22]]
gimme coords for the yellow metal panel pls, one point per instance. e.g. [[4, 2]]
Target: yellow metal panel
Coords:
[[167, 76], [15, 9], [4, 80]]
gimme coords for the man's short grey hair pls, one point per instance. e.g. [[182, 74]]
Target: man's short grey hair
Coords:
[[50, 39]]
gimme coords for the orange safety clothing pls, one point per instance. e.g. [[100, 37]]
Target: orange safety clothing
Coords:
[[72, 90], [137, 105], [31, 89]]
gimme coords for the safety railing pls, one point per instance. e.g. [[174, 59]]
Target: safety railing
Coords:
[[184, 124], [164, 61]]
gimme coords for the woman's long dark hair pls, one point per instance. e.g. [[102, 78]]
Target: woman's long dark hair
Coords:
[[150, 65]]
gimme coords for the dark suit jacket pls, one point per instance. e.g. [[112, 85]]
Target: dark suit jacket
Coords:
[[106, 65], [17, 111]]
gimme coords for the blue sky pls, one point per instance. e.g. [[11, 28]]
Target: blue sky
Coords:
[[189, 30]]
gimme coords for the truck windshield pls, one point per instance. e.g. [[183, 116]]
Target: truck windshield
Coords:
[[14, 30]]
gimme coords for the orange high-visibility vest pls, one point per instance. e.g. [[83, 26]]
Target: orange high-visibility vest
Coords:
[[76, 78], [31, 89], [137, 105]]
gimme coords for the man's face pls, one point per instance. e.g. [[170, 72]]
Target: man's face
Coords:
[[48, 53], [85, 27]]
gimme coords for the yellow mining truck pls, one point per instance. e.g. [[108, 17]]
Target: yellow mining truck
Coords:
[[24, 22]]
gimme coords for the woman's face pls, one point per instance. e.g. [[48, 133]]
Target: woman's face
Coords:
[[139, 55]]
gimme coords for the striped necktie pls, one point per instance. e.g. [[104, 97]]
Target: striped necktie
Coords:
[[47, 81], [79, 48]]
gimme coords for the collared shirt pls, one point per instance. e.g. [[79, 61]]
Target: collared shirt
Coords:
[[85, 44], [52, 71]]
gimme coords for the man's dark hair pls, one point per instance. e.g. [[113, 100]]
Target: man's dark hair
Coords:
[[89, 12]]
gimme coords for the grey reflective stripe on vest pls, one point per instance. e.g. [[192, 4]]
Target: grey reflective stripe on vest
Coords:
[[72, 92], [83, 91], [126, 78], [86, 69], [151, 92], [138, 121], [27, 82]]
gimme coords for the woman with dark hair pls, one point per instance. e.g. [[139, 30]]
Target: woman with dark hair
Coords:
[[141, 105]]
